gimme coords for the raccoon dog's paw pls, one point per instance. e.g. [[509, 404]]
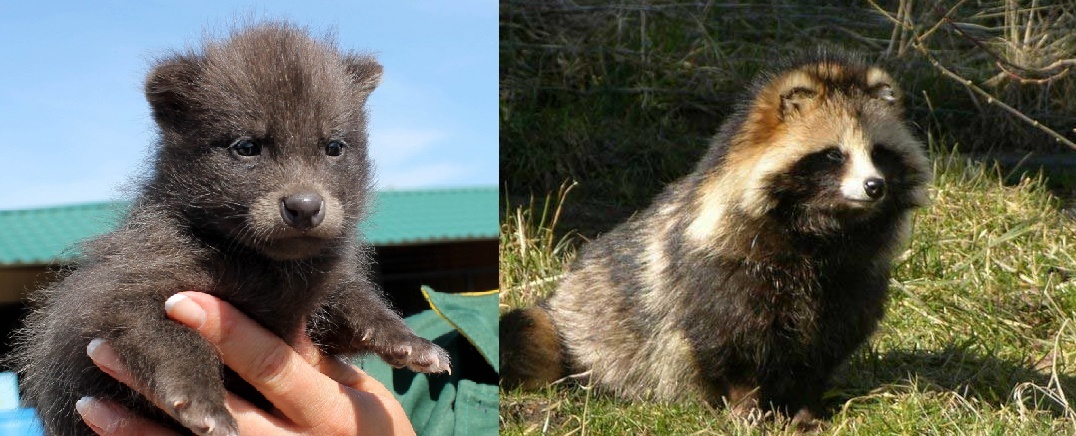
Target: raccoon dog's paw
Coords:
[[206, 418]]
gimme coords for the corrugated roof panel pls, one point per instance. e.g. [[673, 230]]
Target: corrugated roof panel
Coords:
[[39, 236], [404, 217], [47, 235]]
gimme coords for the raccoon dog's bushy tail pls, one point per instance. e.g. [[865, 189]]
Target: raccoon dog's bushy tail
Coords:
[[532, 354]]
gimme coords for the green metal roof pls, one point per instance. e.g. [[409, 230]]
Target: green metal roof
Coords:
[[41, 236], [421, 216], [47, 235]]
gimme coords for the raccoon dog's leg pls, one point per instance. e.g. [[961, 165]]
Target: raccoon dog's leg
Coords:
[[742, 398], [178, 370], [357, 320], [798, 397], [531, 351]]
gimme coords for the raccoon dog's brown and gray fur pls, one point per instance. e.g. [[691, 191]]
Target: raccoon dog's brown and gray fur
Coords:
[[752, 278], [259, 178]]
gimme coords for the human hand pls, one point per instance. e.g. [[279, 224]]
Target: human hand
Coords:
[[312, 394]]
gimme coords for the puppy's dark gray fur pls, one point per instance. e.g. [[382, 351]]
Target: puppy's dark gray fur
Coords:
[[259, 178]]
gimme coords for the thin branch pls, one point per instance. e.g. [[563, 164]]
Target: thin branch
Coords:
[[1001, 61], [945, 19], [1024, 80], [1060, 63], [990, 99]]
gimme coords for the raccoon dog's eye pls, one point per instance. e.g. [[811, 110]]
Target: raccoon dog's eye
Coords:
[[244, 147], [335, 148], [835, 155], [880, 151]]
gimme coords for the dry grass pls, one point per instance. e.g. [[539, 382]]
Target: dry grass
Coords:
[[532, 255]]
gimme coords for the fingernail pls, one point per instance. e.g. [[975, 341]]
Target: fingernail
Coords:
[[98, 415], [181, 308], [103, 356]]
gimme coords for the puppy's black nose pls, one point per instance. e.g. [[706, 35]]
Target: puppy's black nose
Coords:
[[303, 211], [874, 187]]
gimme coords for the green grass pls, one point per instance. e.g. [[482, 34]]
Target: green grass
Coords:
[[979, 336], [532, 256]]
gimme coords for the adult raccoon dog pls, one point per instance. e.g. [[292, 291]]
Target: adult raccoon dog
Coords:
[[752, 278], [260, 176]]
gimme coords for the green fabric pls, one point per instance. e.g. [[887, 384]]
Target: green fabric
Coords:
[[465, 325], [475, 315]]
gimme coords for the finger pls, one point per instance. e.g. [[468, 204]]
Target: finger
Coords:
[[107, 418], [363, 382], [340, 370], [252, 419], [102, 355], [331, 366], [261, 358], [383, 412], [110, 419], [105, 357], [306, 348]]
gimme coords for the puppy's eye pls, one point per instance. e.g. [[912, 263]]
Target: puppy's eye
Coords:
[[835, 155], [245, 147], [335, 148]]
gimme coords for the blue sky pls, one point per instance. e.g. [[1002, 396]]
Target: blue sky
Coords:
[[75, 127]]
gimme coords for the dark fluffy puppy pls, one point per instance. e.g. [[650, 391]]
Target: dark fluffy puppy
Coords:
[[260, 176], [751, 279]]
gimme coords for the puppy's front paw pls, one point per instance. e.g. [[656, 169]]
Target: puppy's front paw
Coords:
[[416, 353], [202, 417]]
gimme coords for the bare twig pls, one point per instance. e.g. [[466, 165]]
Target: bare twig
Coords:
[[990, 99], [920, 46], [895, 35], [1002, 63], [945, 18], [1024, 80]]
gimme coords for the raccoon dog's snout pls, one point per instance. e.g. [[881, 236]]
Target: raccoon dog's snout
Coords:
[[874, 187], [303, 210]]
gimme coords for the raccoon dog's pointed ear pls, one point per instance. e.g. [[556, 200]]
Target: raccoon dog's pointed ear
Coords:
[[884, 92], [365, 73], [169, 89], [880, 86], [797, 92], [796, 100]]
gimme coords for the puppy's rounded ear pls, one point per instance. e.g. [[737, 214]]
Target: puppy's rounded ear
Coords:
[[170, 89], [365, 73]]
